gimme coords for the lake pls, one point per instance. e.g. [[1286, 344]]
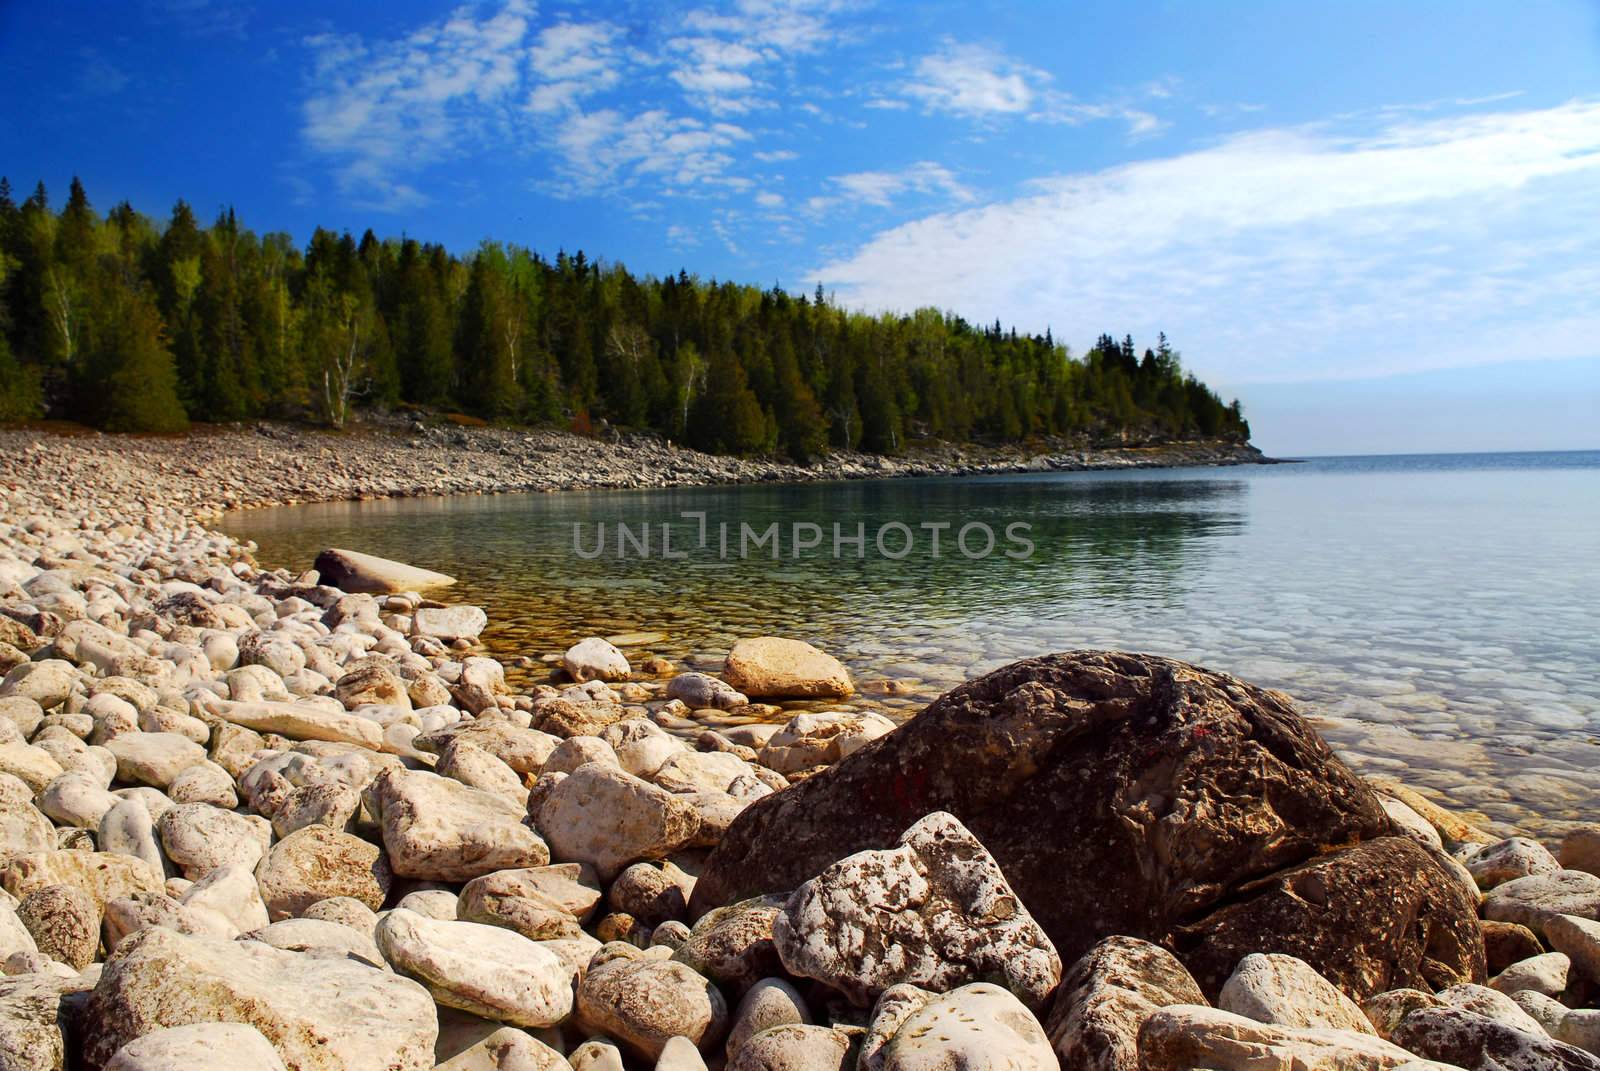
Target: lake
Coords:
[[1438, 615]]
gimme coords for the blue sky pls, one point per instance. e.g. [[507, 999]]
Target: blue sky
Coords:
[[1376, 223]]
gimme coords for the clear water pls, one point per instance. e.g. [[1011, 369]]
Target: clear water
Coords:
[[1437, 614]]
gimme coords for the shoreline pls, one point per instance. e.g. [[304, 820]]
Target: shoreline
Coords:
[[300, 810], [223, 469]]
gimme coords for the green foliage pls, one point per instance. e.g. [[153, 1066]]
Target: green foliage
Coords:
[[130, 371], [21, 397], [219, 323]]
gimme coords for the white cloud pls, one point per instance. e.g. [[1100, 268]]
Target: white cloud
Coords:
[[776, 156], [721, 61], [978, 82], [385, 108], [1290, 253], [769, 200], [606, 149], [974, 81], [881, 188], [573, 60]]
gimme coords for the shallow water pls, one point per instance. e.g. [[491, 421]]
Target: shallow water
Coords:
[[1437, 614]]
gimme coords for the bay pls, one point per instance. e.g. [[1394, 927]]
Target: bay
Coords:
[[1439, 615]]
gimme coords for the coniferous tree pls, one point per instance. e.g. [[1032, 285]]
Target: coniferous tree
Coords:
[[257, 326]]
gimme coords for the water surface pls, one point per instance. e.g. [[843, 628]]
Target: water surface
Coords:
[[1437, 614]]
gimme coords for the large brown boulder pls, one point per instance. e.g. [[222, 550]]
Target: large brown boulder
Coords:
[[1379, 916], [1120, 794]]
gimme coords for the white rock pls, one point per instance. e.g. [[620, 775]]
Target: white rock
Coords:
[[450, 623], [154, 758], [594, 659], [441, 830], [320, 1014], [484, 970], [188, 1048], [199, 837], [1545, 974], [1285, 991], [229, 893], [978, 1026], [301, 721], [609, 819], [1184, 1037], [126, 828]]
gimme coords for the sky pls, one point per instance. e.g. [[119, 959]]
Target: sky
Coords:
[[1376, 223]]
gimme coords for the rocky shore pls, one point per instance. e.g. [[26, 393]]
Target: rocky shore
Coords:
[[257, 820], [209, 471]]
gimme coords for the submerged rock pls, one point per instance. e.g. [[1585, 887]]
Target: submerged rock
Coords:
[[772, 667]]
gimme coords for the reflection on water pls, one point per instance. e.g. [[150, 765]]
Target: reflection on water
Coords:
[[1436, 613]]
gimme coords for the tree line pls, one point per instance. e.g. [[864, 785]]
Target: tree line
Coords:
[[133, 325]]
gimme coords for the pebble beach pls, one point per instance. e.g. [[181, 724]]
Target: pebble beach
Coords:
[[265, 819]]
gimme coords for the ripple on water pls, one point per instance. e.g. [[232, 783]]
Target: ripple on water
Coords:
[[1362, 596]]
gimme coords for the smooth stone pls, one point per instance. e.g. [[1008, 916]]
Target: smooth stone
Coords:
[[486, 970], [774, 667], [229, 893], [198, 838], [795, 1047], [450, 623], [1534, 900], [300, 721], [610, 819], [345, 911], [1579, 939], [980, 1026], [701, 690], [540, 903], [437, 829], [643, 1001], [316, 863], [320, 1014], [594, 659], [314, 937], [14, 933], [1545, 974], [680, 1054], [1505, 943], [189, 1048], [770, 1002], [1285, 991], [506, 1049], [153, 759], [1185, 1037], [1516, 857], [1580, 849], [353, 571]]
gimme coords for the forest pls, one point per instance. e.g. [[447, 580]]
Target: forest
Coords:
[[131, 324]]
